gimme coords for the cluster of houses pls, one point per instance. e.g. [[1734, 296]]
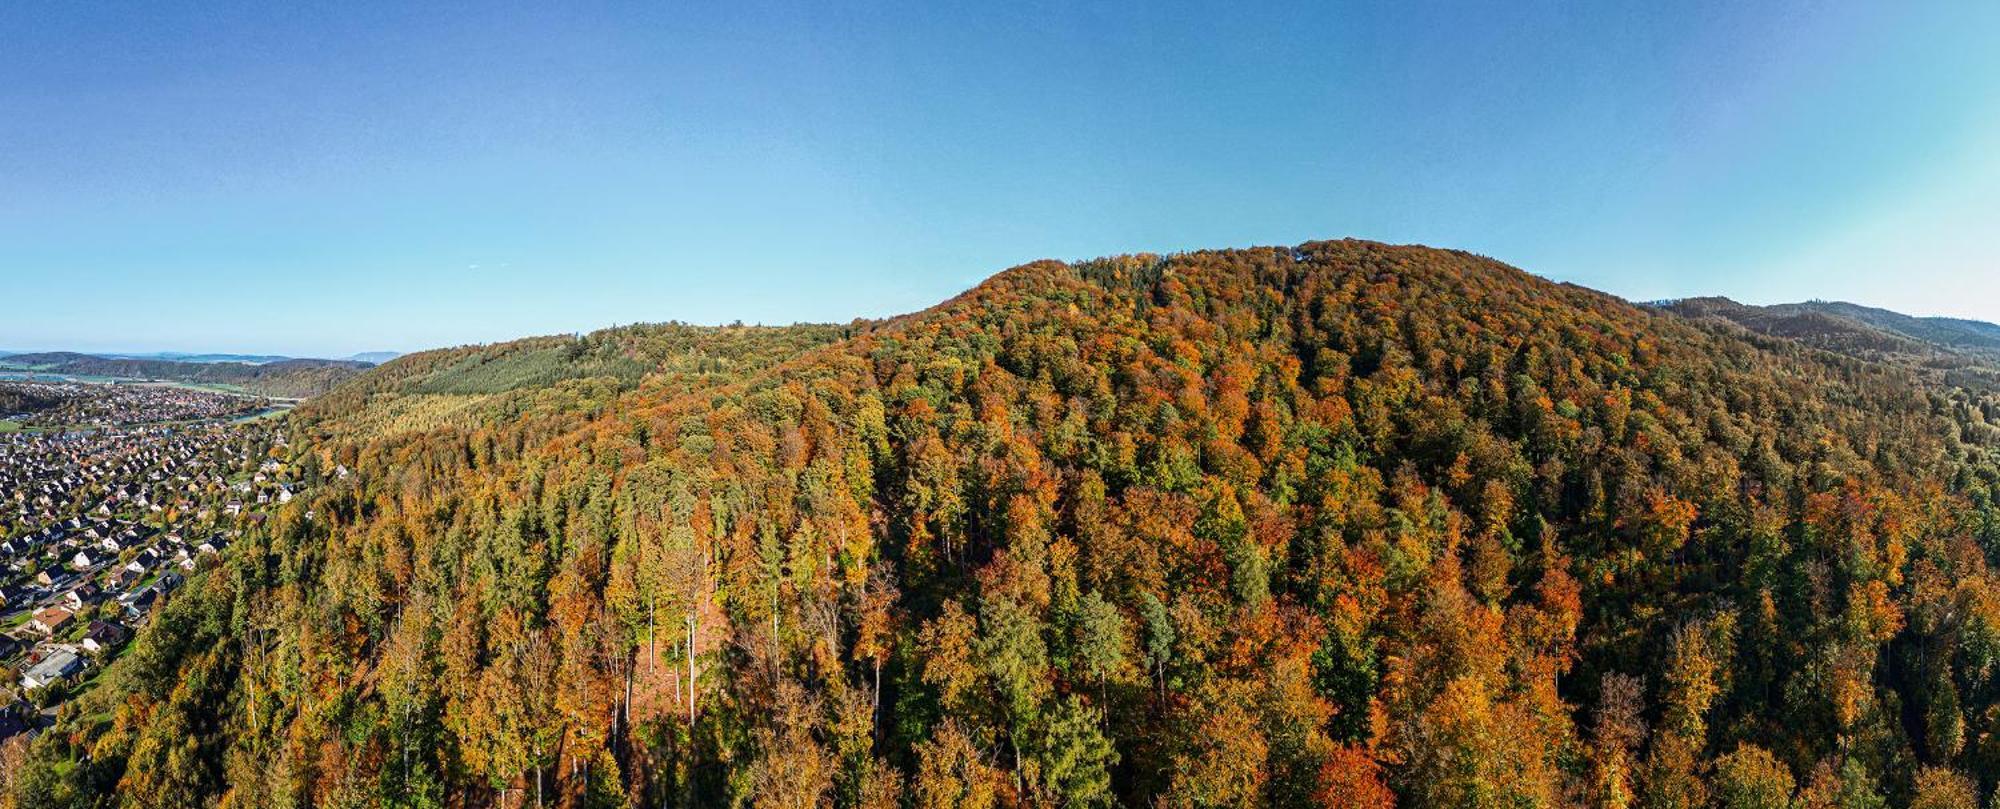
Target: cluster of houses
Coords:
[[76, 591], [77, 404], [98, 527], [176, 471]]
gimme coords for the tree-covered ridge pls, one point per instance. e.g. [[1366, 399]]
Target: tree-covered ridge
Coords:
[[1957, 333], [1338, 525], [626, 353], [1823, 329], [565, 377], [16, 399], [1959, 353]]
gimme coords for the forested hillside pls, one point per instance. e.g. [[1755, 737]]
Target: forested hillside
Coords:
[[18, 399], [566, 377], [1340, 525]]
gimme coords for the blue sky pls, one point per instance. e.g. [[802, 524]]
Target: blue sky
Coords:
[[211, 176]]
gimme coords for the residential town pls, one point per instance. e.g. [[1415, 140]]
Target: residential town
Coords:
[[100, 525], [64, 403]]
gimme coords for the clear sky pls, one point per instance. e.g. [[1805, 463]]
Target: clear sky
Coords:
[[244, 177]]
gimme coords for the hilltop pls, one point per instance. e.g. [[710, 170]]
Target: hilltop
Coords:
[[1341, 524]]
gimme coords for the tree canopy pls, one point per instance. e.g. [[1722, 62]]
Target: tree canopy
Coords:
[[1336, 525]]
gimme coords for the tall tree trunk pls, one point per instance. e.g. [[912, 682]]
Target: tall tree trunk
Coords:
[[692, 623]]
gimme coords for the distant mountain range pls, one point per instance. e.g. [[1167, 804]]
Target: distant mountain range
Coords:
[[264, 375], [177, 356], [370, 357]]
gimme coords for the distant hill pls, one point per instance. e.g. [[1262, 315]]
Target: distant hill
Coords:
[[1807, 323], [1956, 333], [374, 357], [287, 378], [1850, 326], [1965, 353]]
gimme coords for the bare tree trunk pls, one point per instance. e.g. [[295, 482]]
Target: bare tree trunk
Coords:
[[692, 624]]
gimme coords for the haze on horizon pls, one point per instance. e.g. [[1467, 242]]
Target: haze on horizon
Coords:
[[234, 177]]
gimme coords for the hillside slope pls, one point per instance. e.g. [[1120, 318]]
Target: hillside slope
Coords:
[[1336, 525]]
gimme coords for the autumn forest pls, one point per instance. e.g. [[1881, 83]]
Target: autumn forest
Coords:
[[1337, 525]]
